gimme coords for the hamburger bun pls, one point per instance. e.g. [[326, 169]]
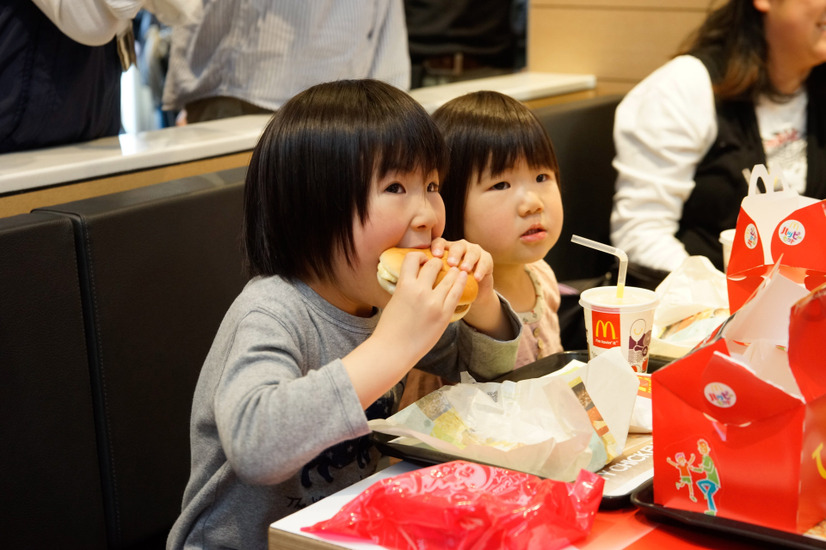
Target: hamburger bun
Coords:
[[390, 264]]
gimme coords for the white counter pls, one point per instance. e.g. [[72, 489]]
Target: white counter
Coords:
[[40, 168], [128, 152]]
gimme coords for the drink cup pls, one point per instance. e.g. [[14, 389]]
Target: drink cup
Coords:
[[626, 322], [726, 239]]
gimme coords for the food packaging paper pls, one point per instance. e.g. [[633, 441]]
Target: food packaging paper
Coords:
[[693, 303], [553, 426]]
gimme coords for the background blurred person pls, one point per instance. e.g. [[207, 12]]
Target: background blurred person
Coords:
[[250, 57], [749, 88], [61, 64], [452, 40], [59, 72]]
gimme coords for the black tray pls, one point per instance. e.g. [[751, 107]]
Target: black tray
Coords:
[[643, 498], [424, 455], [554, 362]]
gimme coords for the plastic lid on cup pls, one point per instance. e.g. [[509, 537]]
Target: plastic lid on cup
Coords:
[[604, 299]]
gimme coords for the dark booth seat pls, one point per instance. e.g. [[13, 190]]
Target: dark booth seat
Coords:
[[158, 267], [49, 481]]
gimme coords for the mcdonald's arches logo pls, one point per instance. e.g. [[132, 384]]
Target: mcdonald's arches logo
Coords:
[[606, 329]]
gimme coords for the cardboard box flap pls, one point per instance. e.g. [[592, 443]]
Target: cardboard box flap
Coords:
[[770, 362], [682, 377], [747, 247], [734, 395], [798, 238], [766, 315], [744, 285], [722, 387], [807, 357]]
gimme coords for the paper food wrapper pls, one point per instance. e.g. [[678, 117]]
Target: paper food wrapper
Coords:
[[553, 426], [693, 303]]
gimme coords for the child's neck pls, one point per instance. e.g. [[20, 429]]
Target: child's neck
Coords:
[[335, 296], [514, 283]]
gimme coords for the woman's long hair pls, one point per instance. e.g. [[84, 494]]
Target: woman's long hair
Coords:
[[732, 39]]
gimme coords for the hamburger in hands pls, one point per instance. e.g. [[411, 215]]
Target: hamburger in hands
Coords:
[[390, 264]]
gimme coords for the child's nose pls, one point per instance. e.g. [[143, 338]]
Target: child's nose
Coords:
[[426, 216], [531, 203]]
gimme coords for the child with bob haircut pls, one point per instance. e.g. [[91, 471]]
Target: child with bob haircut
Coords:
[[501, 191], [313, 347]]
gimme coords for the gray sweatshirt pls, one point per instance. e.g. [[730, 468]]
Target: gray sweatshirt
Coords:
[[276, 424]]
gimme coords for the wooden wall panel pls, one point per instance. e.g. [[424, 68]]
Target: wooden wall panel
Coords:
[[619, 41]]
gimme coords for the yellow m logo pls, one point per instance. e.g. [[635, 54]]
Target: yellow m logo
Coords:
[[602, 327]]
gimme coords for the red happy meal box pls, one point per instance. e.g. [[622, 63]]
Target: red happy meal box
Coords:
[[776, 227], [740, 423]]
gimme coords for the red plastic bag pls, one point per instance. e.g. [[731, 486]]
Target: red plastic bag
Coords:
[[463, 506]]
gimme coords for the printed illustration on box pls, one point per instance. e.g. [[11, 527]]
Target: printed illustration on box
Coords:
[[740, 422], [776, 226], [708, 484]]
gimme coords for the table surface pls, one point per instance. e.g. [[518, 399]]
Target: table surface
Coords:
[[103, 157], [612, 529]]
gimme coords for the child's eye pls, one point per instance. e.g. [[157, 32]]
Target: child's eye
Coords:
[[501, 186], [432, 187], [542, 178], [395, 188]]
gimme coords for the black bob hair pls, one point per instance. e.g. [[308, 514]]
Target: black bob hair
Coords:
[[310, 174], [486, 131]]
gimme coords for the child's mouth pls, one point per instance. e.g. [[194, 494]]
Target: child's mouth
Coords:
[[534, 234]]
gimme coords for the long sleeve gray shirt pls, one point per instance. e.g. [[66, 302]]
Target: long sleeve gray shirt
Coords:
[[276, 423]]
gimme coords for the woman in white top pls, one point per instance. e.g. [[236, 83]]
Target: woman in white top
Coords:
[[749, 88]]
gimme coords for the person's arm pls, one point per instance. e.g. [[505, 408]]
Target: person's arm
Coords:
[[485, 342], [90, 22], [272, 412], [663, 128], [96, 22]]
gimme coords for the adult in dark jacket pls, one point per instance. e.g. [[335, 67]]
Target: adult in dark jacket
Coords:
[[55, 90], [60, 67]]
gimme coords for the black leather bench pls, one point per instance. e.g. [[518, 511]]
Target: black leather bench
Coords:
[[158, 268], [50, 481]]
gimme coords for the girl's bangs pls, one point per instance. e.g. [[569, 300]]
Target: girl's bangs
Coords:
[[507, 145]]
